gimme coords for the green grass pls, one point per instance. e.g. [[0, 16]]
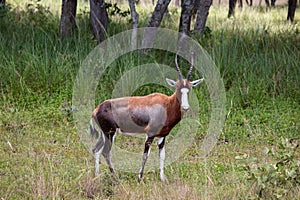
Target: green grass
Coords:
[[41, 155]]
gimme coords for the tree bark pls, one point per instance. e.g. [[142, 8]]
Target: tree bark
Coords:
[[155, 20], [2, 3], [98, 19], [196, 7], [268, 3], [202, 13], [185, 22], [68, 17], [291, 10], [135, 23], [185, 17], [158, 13], [240, 3], [249, 2], [231, 8], [273, 3]]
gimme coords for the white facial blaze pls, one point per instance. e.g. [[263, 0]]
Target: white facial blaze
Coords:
[[184, 98]]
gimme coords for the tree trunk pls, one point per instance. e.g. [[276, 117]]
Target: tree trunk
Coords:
[[202, 13], [291, 10], [185, 17], [158, 13], [240, 3], [155, 20], [273, 3], [68, 17], [185, 22], [231, 8], [2, 3], [196, 7], [99, 19], [135, 23]]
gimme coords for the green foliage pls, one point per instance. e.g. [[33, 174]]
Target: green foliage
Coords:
[[33, 14], [277, 177], [36, 66], [113, 9]]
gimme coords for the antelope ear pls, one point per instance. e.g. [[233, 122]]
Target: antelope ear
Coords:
[[171, 82], [197, 82]]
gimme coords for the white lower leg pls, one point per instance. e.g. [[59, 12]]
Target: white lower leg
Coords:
[[97, 161], [162, 155], [97, 152]]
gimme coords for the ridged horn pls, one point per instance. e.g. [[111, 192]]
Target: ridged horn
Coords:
[[191, 68], [177, 67]]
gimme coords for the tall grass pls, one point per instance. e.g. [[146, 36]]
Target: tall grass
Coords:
[[42, 157]]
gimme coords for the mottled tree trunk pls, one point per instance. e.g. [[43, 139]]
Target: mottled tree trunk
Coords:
[[135, 23], [185, 17], [155, 20], [2, 2], [231, 7], [185, 23], [291, 10], [158, 13], [99, 19], [249, 3], [68, 17], [273, 3], [240, 3], [268, 3], [202, 13], [196, 7]]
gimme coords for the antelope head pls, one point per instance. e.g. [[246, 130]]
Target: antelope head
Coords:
[[183, 86]]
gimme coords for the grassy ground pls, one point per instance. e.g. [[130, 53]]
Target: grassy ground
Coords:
[[257, 156]]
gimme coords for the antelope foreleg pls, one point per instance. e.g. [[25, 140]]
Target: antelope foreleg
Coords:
[[161, 147], [145, 156]]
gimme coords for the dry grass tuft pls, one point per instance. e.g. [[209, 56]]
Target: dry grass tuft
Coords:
[[157, 190]]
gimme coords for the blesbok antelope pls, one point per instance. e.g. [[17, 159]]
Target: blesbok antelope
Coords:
[[155, 114]]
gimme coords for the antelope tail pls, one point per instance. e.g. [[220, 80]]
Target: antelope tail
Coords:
[[95, 134], [93, 130]]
